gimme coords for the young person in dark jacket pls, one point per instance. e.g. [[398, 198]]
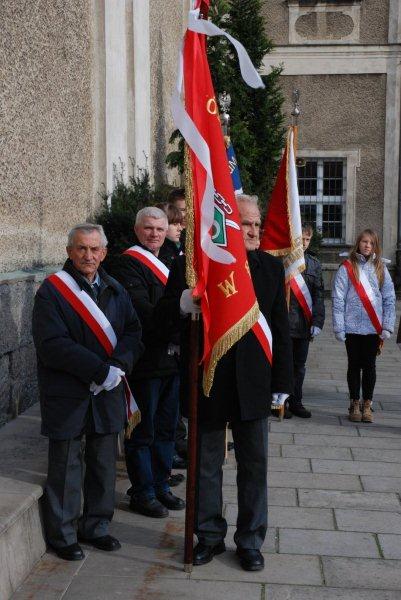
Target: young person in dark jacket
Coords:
[[302, 330], [81, 394], [154, 381], [241, 393]]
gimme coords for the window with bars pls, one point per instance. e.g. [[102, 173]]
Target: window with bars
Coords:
[[322, 194]]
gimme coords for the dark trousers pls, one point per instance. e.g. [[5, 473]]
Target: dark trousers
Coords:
[[62, 497], [362, 352], [181, 439], [149, 452], [300, 349], [250, 443]]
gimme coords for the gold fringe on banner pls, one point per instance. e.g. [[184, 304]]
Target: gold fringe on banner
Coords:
[[226, 341], [191, 276], [132, 423]]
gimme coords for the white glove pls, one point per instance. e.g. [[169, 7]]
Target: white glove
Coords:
[[385, 335], [340, 336], [188, 304], [113, 378], [314, 331], [279, 399]]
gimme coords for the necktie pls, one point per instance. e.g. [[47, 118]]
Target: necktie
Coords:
[[96, 288]]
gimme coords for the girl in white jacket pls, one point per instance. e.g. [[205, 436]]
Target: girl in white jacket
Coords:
[[363, 315]]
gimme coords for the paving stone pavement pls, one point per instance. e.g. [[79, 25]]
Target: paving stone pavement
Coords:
[[334, 519]]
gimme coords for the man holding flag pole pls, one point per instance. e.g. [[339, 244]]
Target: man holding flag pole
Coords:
[[246, 349], [285, 236]]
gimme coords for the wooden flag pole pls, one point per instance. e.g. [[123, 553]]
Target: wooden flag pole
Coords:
[[192, 443]]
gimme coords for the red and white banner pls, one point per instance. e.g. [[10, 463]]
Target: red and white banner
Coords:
[[150, 260], [365, 293], [216, 260], [301, 292], [282, 229], [100, 326]]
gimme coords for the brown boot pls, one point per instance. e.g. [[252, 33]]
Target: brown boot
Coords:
[[367, 416], [354, 410]]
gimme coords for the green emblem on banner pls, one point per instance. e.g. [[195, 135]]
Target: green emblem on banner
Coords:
[[219, 235]]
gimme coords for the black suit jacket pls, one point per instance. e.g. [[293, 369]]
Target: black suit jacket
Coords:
[[244, 380], [70, 357], [145, 289]]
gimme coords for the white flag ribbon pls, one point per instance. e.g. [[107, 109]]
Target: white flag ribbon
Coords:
[[194, 138]]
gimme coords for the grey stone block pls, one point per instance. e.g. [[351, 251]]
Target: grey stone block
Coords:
[[280, 438], [274, 450], [289, 465], [369, 520], [301, 518], [91, 588], [317, 481], [16, 301], [281, 496], [21, 546], [381, 484], [380, 431], [295, 592], [279, 568], [328, 543], [23, 362], [390, 545], [295, 450], [362, 573], [347, 441], [353, 500], [348, 467], [371, 454], [313, 428]]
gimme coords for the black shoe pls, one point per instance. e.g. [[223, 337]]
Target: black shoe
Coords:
[[300, 411], [179, 463], [204, 554], [287, 412], [170, 501], [150, 507], [71, 552], [175, 479], [250, 560], [105, 542]]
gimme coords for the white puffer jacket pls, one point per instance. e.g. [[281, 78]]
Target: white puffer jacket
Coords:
[[349, 315]]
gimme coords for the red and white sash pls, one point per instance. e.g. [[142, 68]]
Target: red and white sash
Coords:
[[150, 260], [100, 326], [302, 294], [365, 293], [263, 332]]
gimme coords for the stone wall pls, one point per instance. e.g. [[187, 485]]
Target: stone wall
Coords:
[[346, 112], [47, 149], [18, 384], [167, 27]]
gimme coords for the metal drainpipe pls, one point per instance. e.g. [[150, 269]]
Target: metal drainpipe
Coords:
[[397, 275]]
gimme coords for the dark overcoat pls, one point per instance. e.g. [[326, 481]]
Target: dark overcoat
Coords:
[[299, 325], [145, 290], [244, 380], [70, 357]]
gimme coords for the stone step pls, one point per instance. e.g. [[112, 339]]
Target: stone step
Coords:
[[22, 475]]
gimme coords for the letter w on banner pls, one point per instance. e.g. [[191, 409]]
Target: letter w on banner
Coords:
[[282, 235], [217, 265]]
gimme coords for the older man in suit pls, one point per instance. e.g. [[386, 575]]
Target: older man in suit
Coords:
[[241, 393], [81, 390]]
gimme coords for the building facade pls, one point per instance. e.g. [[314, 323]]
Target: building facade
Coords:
[[344, 56], [86, 86]]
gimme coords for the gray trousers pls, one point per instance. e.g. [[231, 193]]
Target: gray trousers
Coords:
[[250, 442], [62, 497]]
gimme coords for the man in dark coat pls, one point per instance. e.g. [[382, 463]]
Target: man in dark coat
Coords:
[[81, 393], [302, 330], [241, 393], [154, 381]]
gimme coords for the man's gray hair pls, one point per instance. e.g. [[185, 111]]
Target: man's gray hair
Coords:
[[247, 198], [87, 228], [151, 211]]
